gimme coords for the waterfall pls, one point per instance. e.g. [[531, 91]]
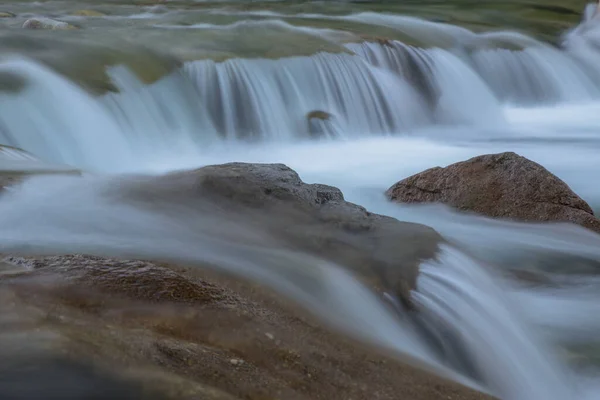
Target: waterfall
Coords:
[[362, 119], [511, 360], [383, 88], [272, 98]]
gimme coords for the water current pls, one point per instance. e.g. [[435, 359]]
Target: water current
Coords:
[[360, 118]]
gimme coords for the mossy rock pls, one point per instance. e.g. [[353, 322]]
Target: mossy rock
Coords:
[[318, 114], [85, 62], [6, 14]]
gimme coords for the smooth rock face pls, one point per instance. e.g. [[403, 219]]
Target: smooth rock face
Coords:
[[47, 23], [502, 185]]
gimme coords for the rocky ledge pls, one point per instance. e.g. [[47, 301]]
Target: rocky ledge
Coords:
[[146, 330]]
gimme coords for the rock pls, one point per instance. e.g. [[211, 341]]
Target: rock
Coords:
[[502, 185], [6, 14], [134, 279], [321, 123], [47, 23], [88, 13], [152, 327], [317, 114], [271, 199]]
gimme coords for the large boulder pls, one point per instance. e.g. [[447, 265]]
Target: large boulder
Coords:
[[504, 185], [269, 203], [271, 199]]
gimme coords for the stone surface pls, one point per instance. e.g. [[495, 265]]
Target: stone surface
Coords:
[[312, 218], [77, 333], [502, 185], [47, 23]]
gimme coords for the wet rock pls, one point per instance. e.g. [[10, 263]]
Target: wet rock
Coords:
[[313, 218], [321, 124], [55, 377], [134, 279], [6, 14], [47, 23], [257, 347], [502, 185], [317, 114]]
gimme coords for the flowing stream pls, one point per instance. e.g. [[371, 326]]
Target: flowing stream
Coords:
[[359, 118]]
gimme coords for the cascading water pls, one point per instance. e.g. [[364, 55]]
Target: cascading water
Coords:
[[463, 96]]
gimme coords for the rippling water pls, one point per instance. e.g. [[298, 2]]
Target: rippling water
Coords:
[[351, 95]]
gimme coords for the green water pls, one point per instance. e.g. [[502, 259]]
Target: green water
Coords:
[[151, 37]]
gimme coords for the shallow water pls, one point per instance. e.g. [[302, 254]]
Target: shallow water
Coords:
[[393, 109]]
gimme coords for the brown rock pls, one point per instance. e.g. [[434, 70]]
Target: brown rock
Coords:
[[318, 114], [133, 279], [126, 350], [502, 185]]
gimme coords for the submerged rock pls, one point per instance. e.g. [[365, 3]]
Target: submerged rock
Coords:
[[87, 61], [47, 23], [88, 13], [11, 82], [504, 185], [6, 14]]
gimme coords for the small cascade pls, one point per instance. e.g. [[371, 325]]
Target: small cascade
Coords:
[[510, 360], [485, 73], [383, 88], [58, 121], [535, 75], [269, 99]]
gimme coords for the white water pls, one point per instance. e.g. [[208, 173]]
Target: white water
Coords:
[[385, 126]]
